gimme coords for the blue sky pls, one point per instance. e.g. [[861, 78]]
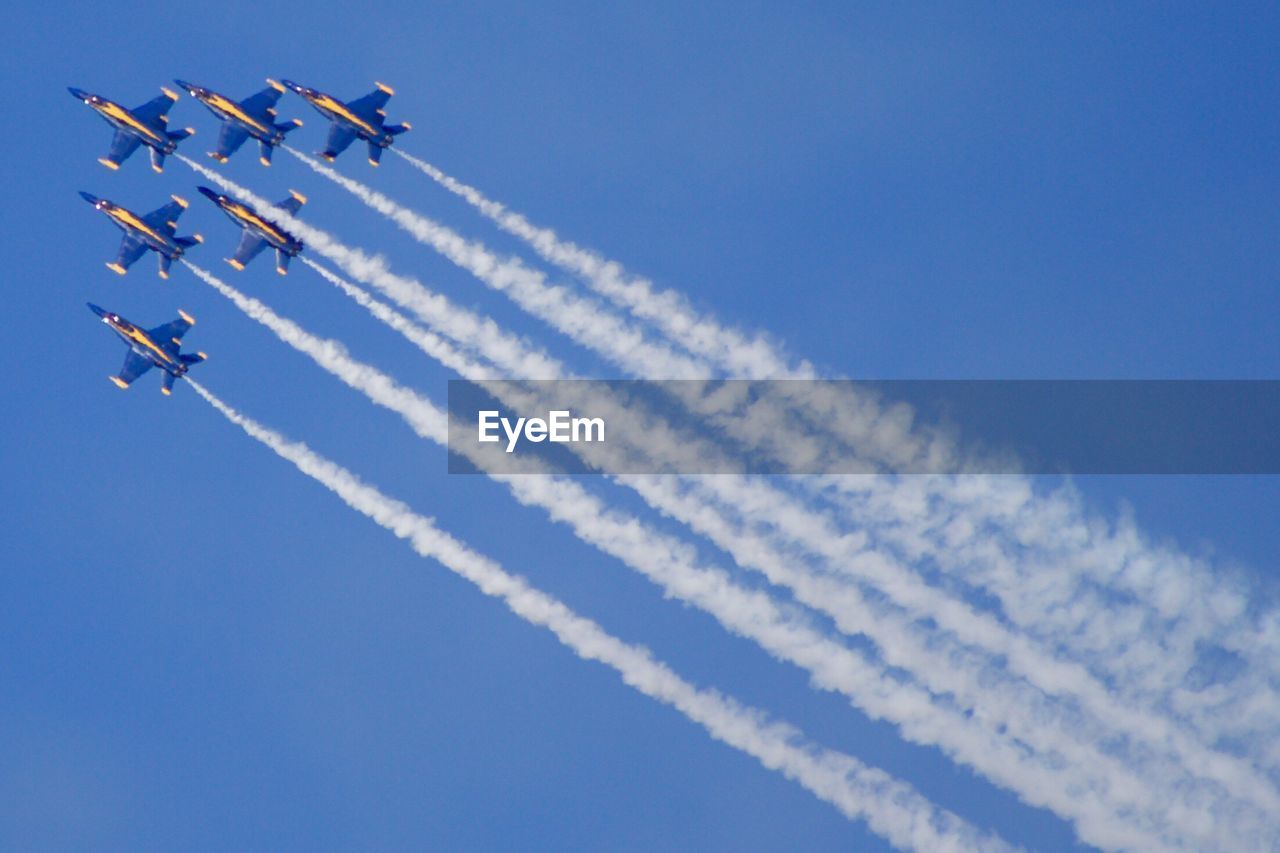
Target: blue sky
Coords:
[[202, 649]]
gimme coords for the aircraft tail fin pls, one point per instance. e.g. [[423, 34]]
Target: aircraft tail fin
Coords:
[[166, 383], [265, 150], [397, 129], [192, 357], [375, 154], [282, 262], [179, 135], [157, 160], [286, 126], [165, 261], [188, 242]]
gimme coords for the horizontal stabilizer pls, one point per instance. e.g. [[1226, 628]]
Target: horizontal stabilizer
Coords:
[[179, 135], [157, 160], [282, 262], [397, 129], [265, 150], [192, 357], [188, 242], [286, 126], [166, 384], [375, 154]]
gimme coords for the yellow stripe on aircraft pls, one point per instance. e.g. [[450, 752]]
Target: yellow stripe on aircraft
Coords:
[[121, 215], [233, 109], [245, 215], [141, 337], [118, 112], [341, 109]]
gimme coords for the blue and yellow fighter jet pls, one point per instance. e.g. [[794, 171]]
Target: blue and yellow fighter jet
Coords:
[[259, 232], [363, 118], [148, 348], [146, 125], [155, 231], [254, 116]]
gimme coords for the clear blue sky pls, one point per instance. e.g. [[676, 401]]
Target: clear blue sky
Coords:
[[201, 649]]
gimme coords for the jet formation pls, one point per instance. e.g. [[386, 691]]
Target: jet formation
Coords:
[[254, 117]]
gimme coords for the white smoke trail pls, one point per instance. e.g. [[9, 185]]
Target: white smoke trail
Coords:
[[1214, 766], [1247, 709], [905, 643], [572, 315], [584, 320], [891, 808], [748, 356], [1146, 648], [1070, 791]]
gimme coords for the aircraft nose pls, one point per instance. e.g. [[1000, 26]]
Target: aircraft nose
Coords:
[[184, 84], [80, 94], [289, 84], [208, 193], [89, 197], [95, 309]]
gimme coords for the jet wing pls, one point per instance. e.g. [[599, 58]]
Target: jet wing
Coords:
[[154, 108], [170, 333], [134, 366], [250, 246], [165, 218], [257, 104], [368, 106], [131, 248], [292, 204], [340, 136], [230, 137], [122, 145]]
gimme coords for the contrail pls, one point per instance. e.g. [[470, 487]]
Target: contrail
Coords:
[[1065, 586], [753, 357], [583, 322], [429, 342], [408, 292], [1214, 766], [891, 808], [903, 643], [787, 636], [1175, 615]]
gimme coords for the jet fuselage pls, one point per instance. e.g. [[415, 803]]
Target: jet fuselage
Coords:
[[336, 111], [228, 110], [131, 223], [123, 119], [249, 219], [141, 343]]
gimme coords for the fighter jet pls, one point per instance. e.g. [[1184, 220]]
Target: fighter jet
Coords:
[[362, 118], [144, 125], [254, 116], [258, 232], [148, 348], [155, 231]]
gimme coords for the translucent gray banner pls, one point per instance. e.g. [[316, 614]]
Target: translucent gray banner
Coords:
[[859, 427]]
